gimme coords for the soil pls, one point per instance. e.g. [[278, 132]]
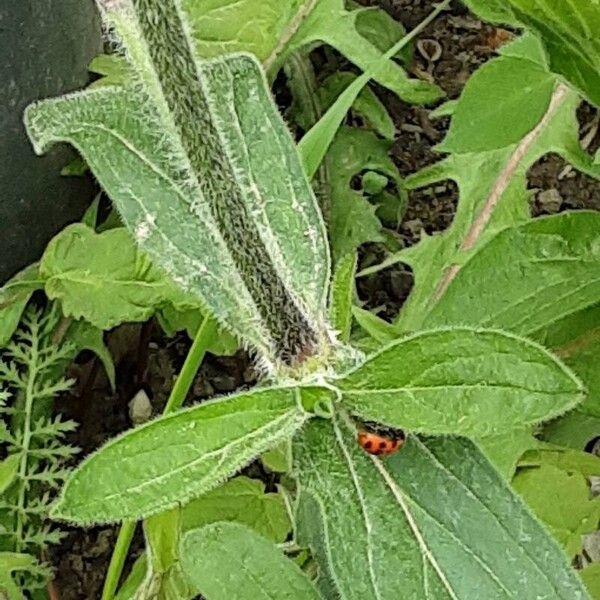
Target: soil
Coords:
[[145, 359]]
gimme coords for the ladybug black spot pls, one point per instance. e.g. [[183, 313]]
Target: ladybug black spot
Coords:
[[382, 445], [368, 445]]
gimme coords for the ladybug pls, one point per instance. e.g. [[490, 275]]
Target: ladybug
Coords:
[[381, 443]]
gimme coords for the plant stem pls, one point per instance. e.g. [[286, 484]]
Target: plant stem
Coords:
[[193, 360]]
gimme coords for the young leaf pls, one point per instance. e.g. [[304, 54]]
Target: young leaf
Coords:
[[14, 296], [543, 271], [242, 500], [255, 568], [12, 563], [103, 277], [174, 459], [562, 501], [471, 382], [504, 86], [569, 32], [380, 532], [8, 471], [206, 177]]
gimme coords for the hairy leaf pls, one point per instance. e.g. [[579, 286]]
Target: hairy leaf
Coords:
[[562, 501], [255, 568], [103, 277], [206, 177], [174, 459], [543, 271], [471, 382], [242, 500], [505, 86], [342, 296], [379, 530], [569, 32]]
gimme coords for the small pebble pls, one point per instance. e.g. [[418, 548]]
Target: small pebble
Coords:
[[140, 408]]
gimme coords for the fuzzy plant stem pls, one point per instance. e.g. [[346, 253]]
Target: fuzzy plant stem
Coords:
[[193, 360]]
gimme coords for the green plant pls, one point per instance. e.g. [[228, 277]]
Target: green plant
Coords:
[[212, 190], [35, 450]]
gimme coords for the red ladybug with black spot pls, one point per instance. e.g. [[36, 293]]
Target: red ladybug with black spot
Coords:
[[380, 441]]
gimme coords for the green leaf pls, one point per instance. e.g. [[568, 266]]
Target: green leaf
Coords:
[[255, 568], [14, 296], [505, 86], [113, 69], [505, 449], [562, 501], [379, 530], [8, 471], [242, 500], [591, 578], [367, 105], [278, 459], [564, 459], [172, 460], [173, 320], [377, 26], [342, 296], [527, 46], [329, 22], [377, 328], [103, 278], [496, 11], [352, 217], [84, 336], [12, 563], [573, 430], [493, 188], [315, 143], [569, 32], [206, 178], [471, 382], [543, 271]]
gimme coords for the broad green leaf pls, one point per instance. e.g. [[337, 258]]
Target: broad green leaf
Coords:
[[227, 561], [14, 296], [377, 26], [471, 382], [206, 178], [505, 449], [573, 430], [562, 501], [84, 336], [343, 292], [8, 471], [576, 340], [242, 500], [527, 46], [492, 184], [569, 31], [505, 86], [103, 278], [177, 458], [565, 459], [379, 530], [591, 578], [542, 270], [496, 11]]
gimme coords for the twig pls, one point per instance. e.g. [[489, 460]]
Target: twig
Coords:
[[500, 186]]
